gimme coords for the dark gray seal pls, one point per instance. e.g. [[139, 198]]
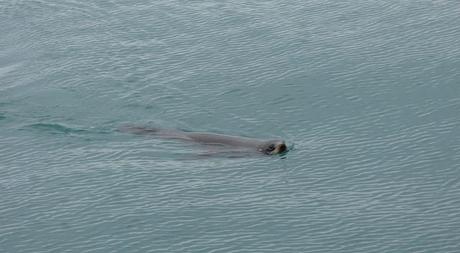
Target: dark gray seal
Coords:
[[268, 147]]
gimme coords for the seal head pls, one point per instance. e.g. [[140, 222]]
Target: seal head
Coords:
[[273, 147]]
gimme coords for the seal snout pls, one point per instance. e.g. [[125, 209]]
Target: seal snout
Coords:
[[274, 147], [281, 148]]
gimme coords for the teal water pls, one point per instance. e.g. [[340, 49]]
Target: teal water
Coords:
[[366, 93]]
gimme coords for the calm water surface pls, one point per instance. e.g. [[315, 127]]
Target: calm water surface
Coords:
[[366, 93]]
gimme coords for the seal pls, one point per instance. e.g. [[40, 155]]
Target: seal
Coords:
[[267, 147]]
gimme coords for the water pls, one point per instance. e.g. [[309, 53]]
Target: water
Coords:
[[366, 93]]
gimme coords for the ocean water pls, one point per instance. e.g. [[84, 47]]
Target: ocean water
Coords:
[[365, 93]]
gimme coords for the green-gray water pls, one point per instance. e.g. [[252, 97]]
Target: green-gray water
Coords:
[[366, 93]]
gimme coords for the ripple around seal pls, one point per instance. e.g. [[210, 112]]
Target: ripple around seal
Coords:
[[55, 128]]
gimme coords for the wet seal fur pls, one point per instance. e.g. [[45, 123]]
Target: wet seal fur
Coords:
[[267, 147]]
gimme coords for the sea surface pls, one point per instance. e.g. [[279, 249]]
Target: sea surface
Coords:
[[365, 93]]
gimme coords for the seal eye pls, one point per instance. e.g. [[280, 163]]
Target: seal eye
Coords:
[[271, 148]]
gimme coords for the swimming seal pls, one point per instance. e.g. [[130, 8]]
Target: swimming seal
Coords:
[[268, 147]]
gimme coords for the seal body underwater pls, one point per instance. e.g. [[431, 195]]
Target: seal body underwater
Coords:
[[267, 147]]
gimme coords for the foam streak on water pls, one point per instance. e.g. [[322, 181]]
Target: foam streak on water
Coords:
[[366, 93]]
